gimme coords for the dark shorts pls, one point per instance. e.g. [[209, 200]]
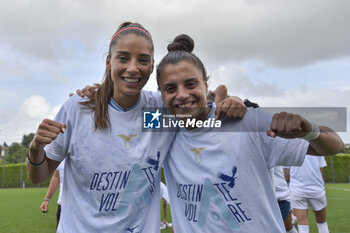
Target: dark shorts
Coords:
[[58, 214], [285, 208]]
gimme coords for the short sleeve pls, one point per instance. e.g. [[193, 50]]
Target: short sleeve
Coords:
[[322, 161]]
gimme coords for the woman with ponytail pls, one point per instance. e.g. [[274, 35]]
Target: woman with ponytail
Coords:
[[112, 168]]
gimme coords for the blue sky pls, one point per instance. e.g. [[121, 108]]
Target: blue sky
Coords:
[[276, 53]]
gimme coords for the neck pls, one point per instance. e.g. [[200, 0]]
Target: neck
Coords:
[[202, 117], [126, 101]]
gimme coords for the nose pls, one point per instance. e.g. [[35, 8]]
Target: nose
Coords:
[[181, 94], [132, 67]]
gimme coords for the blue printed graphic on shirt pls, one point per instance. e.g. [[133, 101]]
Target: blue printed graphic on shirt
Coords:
[[131, 229], [198, 198], [154, 162], [118, 188]]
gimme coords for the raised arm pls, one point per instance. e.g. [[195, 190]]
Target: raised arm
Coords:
[[39, 167], [323, 140]]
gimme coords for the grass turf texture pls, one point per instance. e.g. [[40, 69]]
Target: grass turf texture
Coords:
[[338, 209], [19, 210]]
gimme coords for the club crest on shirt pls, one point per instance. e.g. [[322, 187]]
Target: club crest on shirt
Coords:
[[154, 163], [197, 153], [228, 178], [127, 139]]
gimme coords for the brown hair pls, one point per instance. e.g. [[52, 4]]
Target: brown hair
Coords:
[[99, 103]]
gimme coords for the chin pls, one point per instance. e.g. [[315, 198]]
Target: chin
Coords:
[[133, 92]]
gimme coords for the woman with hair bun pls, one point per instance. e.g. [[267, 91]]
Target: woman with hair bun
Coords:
[[218, 179]]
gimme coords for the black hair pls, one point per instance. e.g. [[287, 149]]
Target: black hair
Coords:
[[181, 50], [250, 104]]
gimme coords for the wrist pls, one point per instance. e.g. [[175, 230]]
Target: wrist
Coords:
[[35, 164], [34, 148], [314, 133], [46, 199]]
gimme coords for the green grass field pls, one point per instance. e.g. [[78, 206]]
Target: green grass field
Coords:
[[338, 209], [19, 211]]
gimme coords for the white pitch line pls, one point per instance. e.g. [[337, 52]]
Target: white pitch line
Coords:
[[339, 189]]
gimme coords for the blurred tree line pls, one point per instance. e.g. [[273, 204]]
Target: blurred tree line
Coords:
[[14, 151]]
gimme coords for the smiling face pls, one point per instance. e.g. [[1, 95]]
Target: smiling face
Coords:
[[130, 63], [183, 90]]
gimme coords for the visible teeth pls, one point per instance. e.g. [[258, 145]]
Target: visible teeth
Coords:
[[184, 105], [131, 80]]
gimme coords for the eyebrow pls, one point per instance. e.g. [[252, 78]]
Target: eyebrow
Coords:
[[171, 83], [127, 53], [191, 79]]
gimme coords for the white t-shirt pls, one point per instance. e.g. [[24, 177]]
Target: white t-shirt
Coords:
[[60, 170], [164, 192], [307, 181], [281, 187], [220, 181], [111, 177]]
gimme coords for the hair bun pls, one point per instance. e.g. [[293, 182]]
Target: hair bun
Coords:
[[182, 42]]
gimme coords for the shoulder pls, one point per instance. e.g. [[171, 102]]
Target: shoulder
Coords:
[[152, 98], [74, 102], [255, 119], [69, 109]]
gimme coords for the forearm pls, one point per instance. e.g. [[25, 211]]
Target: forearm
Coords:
[[54, 185], [38, 174], [328, 143]]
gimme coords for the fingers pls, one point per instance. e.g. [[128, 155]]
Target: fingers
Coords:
[[286, 125], [47, 131], [88, 91], [96, 86], [236, 111], [79, 93], [44, 207], [231, 107], [271, 133], [220, 93]]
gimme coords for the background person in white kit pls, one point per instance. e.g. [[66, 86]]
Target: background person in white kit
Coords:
[[55, 183], [164, 195], [307, 188], [283, 196]]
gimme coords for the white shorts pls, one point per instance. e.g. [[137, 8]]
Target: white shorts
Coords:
[[301, 203]]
